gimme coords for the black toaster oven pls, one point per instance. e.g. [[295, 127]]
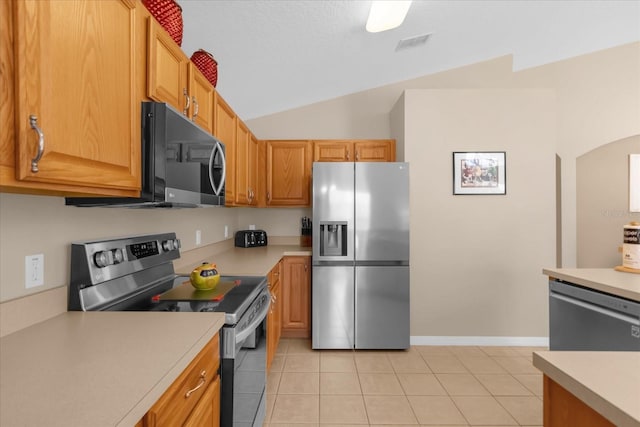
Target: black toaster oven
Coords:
[[251, 238]]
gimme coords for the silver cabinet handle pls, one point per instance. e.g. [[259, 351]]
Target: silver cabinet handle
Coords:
[[187, 101], [268, 197], [33, 121], [347, 154], [203, 379], [196, 108], [357, 155]]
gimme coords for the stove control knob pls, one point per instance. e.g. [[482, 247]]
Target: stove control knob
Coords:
[[118, 256], [102, 259], [168, 245]]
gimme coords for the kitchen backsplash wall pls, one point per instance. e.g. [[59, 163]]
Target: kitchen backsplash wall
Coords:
[[32, 225]]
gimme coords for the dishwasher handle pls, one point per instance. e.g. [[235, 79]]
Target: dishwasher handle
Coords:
[[596, 308]]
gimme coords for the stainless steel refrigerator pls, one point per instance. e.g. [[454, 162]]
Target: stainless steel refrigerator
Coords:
[[360, 243]]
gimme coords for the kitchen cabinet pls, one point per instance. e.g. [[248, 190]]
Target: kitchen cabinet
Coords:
[[174, 79], [225, 128], [296, 295], [288, 173], [562, 408], [246, 164], [366, 150], [274, 318], [194, 397], [68, 69], [254, 169]]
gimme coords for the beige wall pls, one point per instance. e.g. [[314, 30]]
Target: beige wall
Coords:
[[603, 202], [597, 100], [44, 225], [476, 261]]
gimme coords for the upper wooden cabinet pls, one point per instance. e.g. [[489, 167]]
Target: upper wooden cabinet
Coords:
[[254, 170], [242, 190], [75, 98], [174, 79], [288, 173], [202, 94], [365, 150], [225, 129]]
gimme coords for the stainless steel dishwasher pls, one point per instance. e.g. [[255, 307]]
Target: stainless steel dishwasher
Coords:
[[585, 319]]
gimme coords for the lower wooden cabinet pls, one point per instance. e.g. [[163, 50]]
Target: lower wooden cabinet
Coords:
[[562, 408], [296, 292], [194, 397], [274, 318]]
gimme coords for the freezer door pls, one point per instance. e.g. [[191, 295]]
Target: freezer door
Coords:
[[382, 307], [333, 208], [332, 307], [382, 212]]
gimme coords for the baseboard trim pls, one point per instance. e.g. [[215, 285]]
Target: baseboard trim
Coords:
[[482, 341]]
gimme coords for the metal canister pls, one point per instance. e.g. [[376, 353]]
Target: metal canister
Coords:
[[631, 246]]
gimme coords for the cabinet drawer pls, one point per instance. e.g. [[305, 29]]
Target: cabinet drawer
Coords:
[[175, 405]]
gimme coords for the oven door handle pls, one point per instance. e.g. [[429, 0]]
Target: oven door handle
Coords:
[[242, 335]]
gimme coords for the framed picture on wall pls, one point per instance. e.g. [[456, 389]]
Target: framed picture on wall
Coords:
[[480, 172], [634, 182]]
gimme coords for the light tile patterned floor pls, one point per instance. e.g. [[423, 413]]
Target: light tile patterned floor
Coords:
[[425, 385]]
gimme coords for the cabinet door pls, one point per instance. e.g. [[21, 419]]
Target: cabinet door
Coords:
[[7, 95], [274, 318], [224, 120], [201, 93], [288, 173], [375, 150], [187, 391], [252, 166], [332, 151], [242, 164], [207, 411], [296, 293], [75, 75], [166, 69]]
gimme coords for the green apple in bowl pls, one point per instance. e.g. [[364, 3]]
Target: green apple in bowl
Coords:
[[205, 277]]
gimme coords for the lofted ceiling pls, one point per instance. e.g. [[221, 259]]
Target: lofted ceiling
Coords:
[[274, 55]]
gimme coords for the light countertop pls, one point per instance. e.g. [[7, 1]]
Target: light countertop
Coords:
[[96, 368], [623, 284], [608, 382], [248, 261]]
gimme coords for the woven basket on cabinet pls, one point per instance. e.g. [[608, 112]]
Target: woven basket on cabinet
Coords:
[[169, 14], [207, 65]]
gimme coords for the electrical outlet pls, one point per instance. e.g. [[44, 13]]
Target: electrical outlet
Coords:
[[252, 227], [226, 231], [33, 270], [198, 237]]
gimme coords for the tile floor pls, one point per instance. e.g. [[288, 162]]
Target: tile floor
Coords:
[[425, 385]]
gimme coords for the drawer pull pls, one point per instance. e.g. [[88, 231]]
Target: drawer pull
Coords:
[[203, 380], [33, 121], [187, 104]]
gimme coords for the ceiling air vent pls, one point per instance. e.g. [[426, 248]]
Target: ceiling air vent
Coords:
[[411, 42]]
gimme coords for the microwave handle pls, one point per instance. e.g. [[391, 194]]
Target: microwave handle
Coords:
[[217, 190]]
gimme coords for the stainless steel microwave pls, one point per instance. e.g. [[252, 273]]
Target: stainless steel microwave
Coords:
[[182, 164]]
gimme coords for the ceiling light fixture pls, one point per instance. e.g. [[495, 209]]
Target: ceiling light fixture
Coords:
[[386, 15]]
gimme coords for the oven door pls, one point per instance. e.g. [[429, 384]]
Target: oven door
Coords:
[[243, 367]]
